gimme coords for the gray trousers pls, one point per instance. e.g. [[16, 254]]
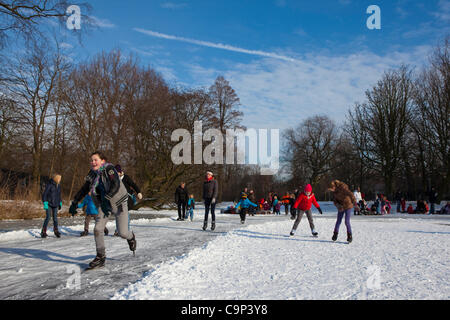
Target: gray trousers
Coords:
[[299, 218], [121, 225]]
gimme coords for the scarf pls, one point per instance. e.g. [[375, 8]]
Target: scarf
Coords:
[[97, 178]]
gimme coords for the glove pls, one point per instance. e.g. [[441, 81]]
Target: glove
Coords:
[[320, 210], [60, 206], [213, 200], [106, 207], [139, 196], [45, 205], [73, 208]]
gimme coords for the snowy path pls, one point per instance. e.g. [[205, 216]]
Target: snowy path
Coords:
[[177, 260]]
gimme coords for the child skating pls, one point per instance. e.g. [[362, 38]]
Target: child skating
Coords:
[[91, 213], [303, 205], [191, 207], [344, 201], [110, 196], [52, 203], [244, 205]]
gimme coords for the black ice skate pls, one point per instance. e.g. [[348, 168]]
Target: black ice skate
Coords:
[[349, 237], [98, 262], [132, 244], [335, 236]]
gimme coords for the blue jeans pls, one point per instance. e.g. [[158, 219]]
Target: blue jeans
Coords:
[[190, 214], [54, 213], [347, 220], [432, 208], [399, 203]]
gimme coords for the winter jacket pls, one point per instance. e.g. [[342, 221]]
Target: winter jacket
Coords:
[[191, 203], [432, 196], [90, 206], [357, 196], [245, 203], [410, 209], [110, 188], [343, 197], [210, 189], [130, 185], [181, 195], [52, 194], [285, 199], [305, 202]]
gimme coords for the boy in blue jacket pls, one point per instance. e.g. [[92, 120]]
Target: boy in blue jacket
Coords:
[[191, 207], [243, 206], [91, 213]]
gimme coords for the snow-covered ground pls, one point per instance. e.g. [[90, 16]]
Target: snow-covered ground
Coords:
[[392, 257]]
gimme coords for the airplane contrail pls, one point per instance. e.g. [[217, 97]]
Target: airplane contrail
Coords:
[[215, 45]]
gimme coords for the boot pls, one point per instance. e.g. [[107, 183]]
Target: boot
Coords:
[[84, 233], [213, 225], [349, 237], [116, 233], [106, 231], [205, 224], [335, 236], [98, 262], [57, 234], [292, 233], [132, 244], [314, 233], [44, 233]]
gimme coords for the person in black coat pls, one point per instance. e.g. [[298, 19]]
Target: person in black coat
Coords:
[[52, 203], [432, 198], [181, 199], [210, 192], [131, 186]]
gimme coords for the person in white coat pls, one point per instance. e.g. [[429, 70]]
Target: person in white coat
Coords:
[[358, 197]]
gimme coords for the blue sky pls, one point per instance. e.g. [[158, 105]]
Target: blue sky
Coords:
[[286, 59]]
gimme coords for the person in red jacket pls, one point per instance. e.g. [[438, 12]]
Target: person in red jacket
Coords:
[[303, 204]]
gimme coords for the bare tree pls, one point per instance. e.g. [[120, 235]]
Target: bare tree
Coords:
[[312, 145], [378, 127]]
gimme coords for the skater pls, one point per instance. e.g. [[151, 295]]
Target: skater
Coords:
[[210, 192], [132, 188], [276, 205], [286, 200], [91, 212], [52, 203], [110, 196], [358, 197], [403, 203], [243, 206], [344, 201], [181, 199], [398, 199], [303, 203], [432, 198], [252, 198], [191, 207], [291, 206]]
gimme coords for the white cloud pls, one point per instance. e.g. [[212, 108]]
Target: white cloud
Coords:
[[172, 5], [279, 94], [215, 45], [102, 23], [443, 12]]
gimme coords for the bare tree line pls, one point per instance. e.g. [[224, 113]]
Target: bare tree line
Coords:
[[396, 140]]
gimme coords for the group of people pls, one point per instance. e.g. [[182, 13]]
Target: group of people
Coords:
[[382, 205], [107, 190]]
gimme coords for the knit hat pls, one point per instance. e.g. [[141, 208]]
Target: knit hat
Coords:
[[209, 172], [243, 195], [308, 188], [118, 168]]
